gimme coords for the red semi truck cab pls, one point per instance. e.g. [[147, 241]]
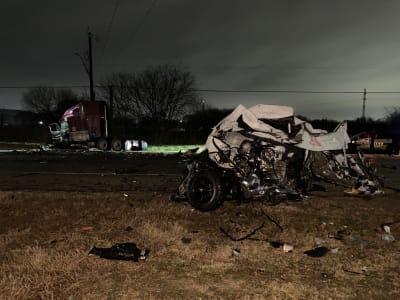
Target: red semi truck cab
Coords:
[[84, 123]]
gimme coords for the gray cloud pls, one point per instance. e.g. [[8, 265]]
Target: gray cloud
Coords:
[[261, 45]]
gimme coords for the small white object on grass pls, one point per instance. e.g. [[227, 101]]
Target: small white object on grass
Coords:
[[386, 229], [287, 248]]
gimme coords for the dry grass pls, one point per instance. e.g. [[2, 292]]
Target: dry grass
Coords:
[[44, 251]]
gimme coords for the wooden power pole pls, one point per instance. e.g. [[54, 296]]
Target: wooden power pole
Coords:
[[91, 67], [363, 107]]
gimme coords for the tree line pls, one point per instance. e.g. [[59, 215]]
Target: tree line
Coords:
[[159, 93], [158, 97], [161, 105]]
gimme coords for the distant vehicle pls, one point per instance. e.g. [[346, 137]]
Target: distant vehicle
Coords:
[[85, 124], [374, 142]]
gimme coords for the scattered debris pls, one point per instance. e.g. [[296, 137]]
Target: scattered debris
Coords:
[[386, 228], [340, 234], [388, 237], [287, 248], [276, 244], [45, 147], [365, 186], [317, 252], [272, 220], [87, 228], [247, 236], [123, 251], [335, 250], [390, 223], [356, 273], [235, 251]]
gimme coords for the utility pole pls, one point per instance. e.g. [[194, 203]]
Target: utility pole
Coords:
[[91, 67], [111, 114], [363, 108]]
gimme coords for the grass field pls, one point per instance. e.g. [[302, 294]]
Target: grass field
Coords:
[[44, 251]]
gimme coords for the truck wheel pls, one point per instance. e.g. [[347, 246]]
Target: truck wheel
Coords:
[[116, 145], [102, 144], [204, 190]]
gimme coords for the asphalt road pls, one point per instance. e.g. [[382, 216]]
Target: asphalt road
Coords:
[[110, 171], [90, 171]]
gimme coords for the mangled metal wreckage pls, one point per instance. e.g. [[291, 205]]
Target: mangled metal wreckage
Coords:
[[266, 153]]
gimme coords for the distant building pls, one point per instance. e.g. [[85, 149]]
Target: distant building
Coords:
[[17, 118]]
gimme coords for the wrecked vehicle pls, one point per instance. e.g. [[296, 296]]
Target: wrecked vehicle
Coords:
[[266, 153], [88, 124]]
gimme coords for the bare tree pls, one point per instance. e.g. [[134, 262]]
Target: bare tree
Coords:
[[40, 99], [125, 105], [164, 92], [65, 98], [392, 120], [48, 101]]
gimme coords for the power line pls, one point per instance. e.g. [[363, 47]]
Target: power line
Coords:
[[216, 90], [116, 5], [279, 91], [138, 26], [48, 86]]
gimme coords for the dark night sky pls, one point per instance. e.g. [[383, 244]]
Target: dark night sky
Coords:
[[318, 45]]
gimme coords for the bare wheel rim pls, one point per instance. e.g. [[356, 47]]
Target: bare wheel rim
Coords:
[[202, 189]]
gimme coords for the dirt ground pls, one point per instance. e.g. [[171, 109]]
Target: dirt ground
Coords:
[[55, 206]]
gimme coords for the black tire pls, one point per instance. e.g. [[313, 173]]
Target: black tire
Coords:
[[204, 190], [116, 145], [102, 144]]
